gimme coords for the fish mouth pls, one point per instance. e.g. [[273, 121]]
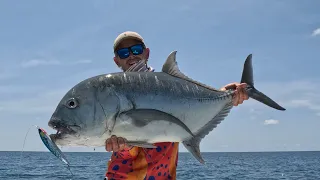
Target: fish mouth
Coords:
[[62, 128]]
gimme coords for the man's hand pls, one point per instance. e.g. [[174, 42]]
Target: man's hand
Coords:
[[240, 93], [115, 144]]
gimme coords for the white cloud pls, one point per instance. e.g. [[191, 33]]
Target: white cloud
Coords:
[[271, 122], [13, 89], [87, 61], [298, 95], [316, 32], [8, 71], [36, 62], [307, 103], [7, 75], [44, 102]]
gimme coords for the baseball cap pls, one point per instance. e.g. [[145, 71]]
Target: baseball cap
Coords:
[[127, 35]]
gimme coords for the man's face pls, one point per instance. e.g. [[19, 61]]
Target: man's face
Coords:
[[125, 63]]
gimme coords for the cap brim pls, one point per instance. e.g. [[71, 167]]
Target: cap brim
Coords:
[[126, 35]]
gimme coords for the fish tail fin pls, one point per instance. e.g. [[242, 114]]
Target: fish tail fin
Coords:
[[247, 77]]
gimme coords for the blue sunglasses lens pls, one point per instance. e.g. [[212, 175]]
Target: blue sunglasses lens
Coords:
[[137, 49], [125, 52]]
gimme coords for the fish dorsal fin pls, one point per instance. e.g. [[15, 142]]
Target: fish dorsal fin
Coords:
[[171, 67]]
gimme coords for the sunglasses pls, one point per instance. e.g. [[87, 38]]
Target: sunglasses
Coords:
[[125, 52]]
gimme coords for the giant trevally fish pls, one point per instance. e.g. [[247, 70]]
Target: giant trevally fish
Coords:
[[145, 108]]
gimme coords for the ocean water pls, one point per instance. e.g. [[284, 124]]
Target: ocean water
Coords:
[[220, 165]]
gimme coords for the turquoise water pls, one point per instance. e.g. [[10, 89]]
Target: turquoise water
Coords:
[[258, 165]]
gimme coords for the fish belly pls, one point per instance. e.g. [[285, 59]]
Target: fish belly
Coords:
[[155, 131]]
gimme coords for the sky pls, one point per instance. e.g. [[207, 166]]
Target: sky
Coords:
[[46, 48]]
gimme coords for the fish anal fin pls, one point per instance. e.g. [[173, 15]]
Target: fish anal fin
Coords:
[[193, 144]]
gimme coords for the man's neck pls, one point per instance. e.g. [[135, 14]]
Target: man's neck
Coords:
[[140, 66]]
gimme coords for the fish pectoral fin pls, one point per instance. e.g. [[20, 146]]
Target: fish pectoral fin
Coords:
[[142, 117], [141, 144]]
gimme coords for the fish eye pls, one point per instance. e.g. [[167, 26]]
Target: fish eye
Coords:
[[72, 103]]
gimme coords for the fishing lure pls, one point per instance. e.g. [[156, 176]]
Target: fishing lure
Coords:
[[53, 148]]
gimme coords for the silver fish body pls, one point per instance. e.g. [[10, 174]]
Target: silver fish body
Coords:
[[145, 108], [157, 107]]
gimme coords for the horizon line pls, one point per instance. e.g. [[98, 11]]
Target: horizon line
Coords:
[[179, 151]]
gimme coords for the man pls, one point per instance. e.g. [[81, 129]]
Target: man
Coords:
[[132, 54]]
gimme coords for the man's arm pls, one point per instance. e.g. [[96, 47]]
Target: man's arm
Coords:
[[240, 93]]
